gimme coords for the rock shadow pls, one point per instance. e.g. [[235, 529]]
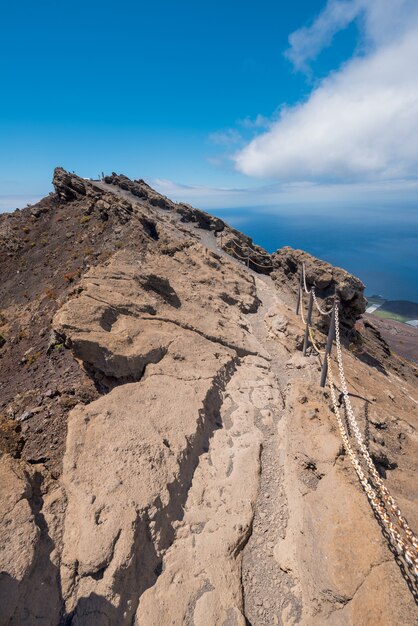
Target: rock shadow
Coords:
[[38, 595], [147, 553], [161, 287]]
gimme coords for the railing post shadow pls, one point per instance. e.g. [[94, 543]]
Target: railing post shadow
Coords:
[[331, 337], [308, 321]]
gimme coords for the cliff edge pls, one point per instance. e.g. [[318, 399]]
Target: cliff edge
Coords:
[[167, 453]]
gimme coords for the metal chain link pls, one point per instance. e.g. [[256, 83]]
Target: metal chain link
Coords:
[[317, 304], [407, 544], [378, 507], [246, 258], [322, 352], [369, 461], [304, 279]]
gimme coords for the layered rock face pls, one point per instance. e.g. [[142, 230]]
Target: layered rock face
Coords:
[[140, 189], [167, 455], [236, 243], [136, 320], [328, 280], [138, 326]]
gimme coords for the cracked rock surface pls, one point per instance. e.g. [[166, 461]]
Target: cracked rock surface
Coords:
[[195, 475]]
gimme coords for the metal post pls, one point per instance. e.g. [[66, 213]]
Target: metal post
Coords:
[[308, 321], [331, 337], [300, 293]]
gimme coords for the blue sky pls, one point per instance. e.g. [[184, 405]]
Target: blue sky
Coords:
[[139, 88], [215, 103]]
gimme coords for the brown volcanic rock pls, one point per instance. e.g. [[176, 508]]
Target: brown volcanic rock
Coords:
[[333, 546], [19, 536], [402, 338], [127, 485], [68, 186], [201, 580], [138, 321], [235, 243], [44, 250], [327, 279], [128, 309], [144, 192], [140, 189], [203, 477]]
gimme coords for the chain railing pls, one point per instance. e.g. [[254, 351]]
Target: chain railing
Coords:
[[385, 507], [382, 502], [248, 251], [309, 332], [402, 544]]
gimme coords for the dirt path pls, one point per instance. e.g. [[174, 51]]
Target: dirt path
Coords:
[[206, 237], [267, 589]]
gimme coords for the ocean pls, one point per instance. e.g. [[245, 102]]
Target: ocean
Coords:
[[380, 246]]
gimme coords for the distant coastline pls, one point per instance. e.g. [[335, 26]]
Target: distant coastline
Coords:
[[383, 252], [376, 246], [403, 311]]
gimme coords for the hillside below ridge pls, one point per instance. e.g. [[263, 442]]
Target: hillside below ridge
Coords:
[[167, 454]]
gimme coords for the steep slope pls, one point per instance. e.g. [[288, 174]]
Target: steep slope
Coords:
[[168, 456]]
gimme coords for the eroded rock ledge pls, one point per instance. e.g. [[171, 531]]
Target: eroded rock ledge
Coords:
[[327, 279], [137, 323]]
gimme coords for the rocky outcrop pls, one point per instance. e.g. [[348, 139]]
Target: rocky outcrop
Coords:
[[19, 536], [167, 454], [130, 492], [144, 192], [327, 279], [137, 327], [201, 579], [30, 529], [129, 310], [234, 242], [243, 248], [68, 186], [200, 218], [141, 190]]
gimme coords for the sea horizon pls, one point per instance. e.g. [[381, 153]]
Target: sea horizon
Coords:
[[379, 247]]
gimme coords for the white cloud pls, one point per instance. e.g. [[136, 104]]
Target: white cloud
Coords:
[[226, 137], [260, 121], [307, 42], [299, 195], [361, 122], [380, 22]]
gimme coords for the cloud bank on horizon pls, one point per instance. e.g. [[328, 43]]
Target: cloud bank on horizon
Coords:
[[360, 123]]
